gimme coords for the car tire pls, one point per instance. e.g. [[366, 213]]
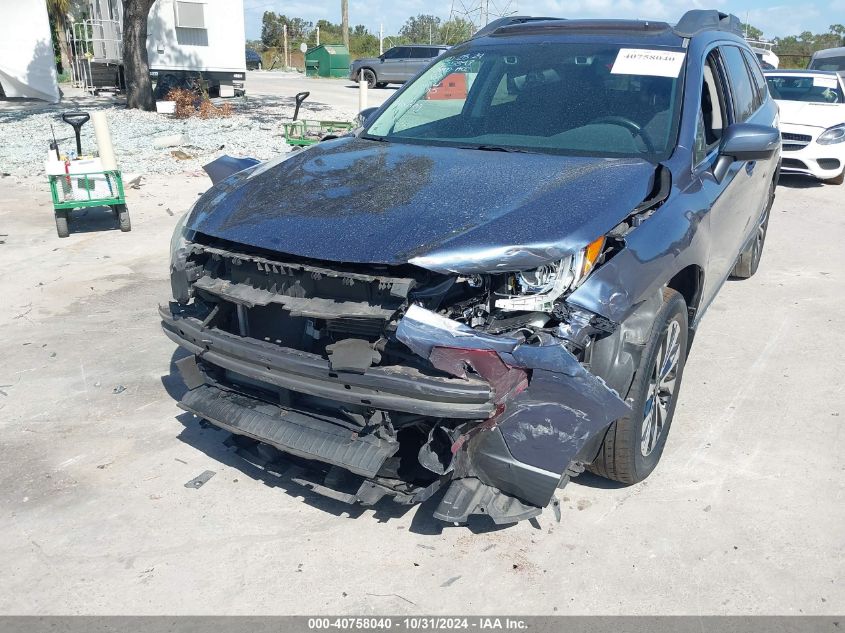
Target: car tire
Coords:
[[838, 180], [633, 445], [381, 84], [749, 259], [62, 223], [369, 76]]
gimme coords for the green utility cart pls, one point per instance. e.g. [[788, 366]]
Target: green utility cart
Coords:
[[92, 189], [77, 182], [301, 133], [327, 60]]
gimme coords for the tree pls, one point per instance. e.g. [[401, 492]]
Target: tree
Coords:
[[271, 29], [421, 29], [136, 65], [455, 30], [751, 32], [58, 11]]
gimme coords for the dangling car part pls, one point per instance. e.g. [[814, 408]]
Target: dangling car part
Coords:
[[478, 289]]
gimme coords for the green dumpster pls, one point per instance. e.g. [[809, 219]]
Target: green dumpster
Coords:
[[327, 60]]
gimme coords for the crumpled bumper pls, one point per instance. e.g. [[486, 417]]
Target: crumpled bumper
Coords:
[[526, 411]]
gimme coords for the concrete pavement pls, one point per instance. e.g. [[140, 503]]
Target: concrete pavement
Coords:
[[744, 515]]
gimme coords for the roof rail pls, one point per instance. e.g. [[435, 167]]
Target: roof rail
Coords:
[[507, 21], [698, 20]]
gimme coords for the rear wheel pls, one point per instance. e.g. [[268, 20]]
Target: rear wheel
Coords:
[[633, 444], [62, 223], [369, 76], [381, 84], [749, 258]]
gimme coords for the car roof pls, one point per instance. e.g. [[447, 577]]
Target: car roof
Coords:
[[657, 33], [829, 52], [801, 71]]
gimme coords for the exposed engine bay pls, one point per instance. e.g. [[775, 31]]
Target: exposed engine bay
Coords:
[[397, 379]]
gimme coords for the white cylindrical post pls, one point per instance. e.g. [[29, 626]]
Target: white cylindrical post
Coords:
[[362, 93], [103, 136], [381, 39]]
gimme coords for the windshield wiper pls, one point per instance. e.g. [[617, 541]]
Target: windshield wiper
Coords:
[[496, 148]]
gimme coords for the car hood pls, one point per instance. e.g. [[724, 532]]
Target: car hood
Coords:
[[461, 210], [823, 115], [366, 60]]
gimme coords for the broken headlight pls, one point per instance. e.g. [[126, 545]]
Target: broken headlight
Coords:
[[179, 240], [537, 290]]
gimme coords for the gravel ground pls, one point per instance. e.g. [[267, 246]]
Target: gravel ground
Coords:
[[255, 129]]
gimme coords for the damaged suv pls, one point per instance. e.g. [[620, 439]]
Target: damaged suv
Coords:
[[494, 282]]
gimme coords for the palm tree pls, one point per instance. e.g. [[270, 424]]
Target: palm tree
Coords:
[[58, 11]]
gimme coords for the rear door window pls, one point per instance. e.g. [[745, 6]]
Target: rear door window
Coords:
[[757, 76], [398, 52], [743, 89]]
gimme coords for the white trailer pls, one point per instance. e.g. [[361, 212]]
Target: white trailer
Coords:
[[190, 38], [187, 40]]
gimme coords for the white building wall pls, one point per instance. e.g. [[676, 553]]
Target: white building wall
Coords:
[[217, 47], [27, 62]]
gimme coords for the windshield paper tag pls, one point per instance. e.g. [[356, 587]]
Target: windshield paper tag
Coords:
[[644, 61], [824, 82]]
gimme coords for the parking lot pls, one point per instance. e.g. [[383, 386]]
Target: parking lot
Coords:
[[743, 515]]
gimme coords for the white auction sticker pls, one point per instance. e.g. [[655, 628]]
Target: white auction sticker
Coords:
[[824, 82], [645, 61]]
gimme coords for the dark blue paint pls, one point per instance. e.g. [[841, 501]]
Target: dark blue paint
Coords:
[[354, 200]]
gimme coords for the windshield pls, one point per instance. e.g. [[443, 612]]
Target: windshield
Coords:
[[828, 63], [810, 89], [568, 98]]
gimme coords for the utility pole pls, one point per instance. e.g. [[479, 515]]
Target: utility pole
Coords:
[[381, 39], [318, 36], [344, 19], [285, 31]]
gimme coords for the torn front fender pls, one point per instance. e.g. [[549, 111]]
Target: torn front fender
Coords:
[[548, 405], [223, 167]]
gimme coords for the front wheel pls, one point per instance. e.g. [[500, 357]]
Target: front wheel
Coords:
[[62, 223], [633, 444], [369, 76]]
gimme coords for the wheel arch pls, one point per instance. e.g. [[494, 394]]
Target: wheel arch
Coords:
[[689, 283], [370, 68]]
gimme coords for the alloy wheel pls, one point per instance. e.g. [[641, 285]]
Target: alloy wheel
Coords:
[[661, 389]]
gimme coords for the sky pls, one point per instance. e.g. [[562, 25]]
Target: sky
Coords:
[[775, 17]]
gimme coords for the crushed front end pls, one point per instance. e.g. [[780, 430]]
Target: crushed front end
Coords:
[[395, 380]]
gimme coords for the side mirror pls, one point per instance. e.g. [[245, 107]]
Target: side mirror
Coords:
[[745, 142], [364, 116], [381, 58]]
